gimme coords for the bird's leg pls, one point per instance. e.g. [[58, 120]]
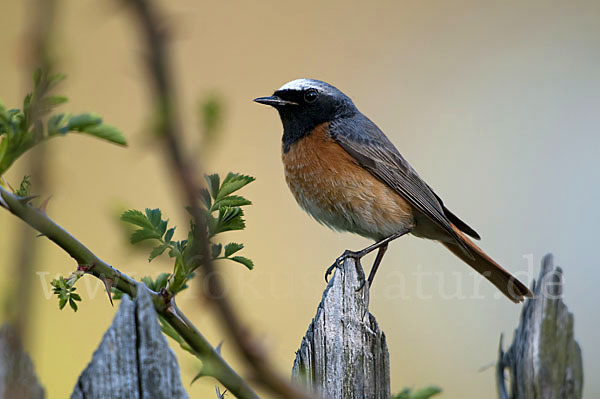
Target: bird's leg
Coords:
[[359, 254], [378, 259]]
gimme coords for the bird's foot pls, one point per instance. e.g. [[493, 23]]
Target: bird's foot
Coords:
[[340, 260]]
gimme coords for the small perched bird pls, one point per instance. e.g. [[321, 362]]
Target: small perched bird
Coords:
[[345, 172]]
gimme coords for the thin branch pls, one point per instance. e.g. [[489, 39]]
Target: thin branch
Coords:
[[170, 129], [165, 306]]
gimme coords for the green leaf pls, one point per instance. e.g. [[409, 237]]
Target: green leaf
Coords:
[[232, 200], [91, 124], [215, 250], [169, 234], [232, 183], [162, 227], [213, 184], [179, 271], [16, 125], [244, 261], [230, 218], [60, 283], [24, 187], [148, 281], [27, 101], [142, 235], [154, 216], [232, 248], [106, 132], [55, 79], [424, 393], [152, 228], [83, 121], [54, 101], [157, 251], [57, 124], [161, 281], [65, 290], [75, 296], [137, 218], [211, 115]]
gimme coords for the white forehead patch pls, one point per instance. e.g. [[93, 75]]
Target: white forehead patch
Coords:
[[298, 84], [304, 84]]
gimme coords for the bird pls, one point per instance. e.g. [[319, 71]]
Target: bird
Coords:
[[345, 172]]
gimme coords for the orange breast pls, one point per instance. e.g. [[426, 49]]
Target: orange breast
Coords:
[[331, 186]]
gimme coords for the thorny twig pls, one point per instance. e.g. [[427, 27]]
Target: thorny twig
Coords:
[[165, 306]]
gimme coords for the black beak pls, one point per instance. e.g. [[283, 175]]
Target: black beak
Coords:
[[274, 101]]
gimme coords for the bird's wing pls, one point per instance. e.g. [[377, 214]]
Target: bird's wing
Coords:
[[370, 147]]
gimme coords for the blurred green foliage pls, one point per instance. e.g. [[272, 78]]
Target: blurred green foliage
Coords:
[[22, 129], [211, 111], [423, 393]]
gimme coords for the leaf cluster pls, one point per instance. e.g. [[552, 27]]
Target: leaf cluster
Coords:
[[65, 291], [221, 210], [22, 129], [25, 187]]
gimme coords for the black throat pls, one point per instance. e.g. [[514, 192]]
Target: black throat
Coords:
[[299, 123], [296, 127]]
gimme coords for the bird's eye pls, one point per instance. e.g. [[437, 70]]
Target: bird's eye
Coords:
[[311, 96]]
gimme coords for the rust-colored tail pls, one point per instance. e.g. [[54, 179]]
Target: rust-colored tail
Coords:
[[515, 290]]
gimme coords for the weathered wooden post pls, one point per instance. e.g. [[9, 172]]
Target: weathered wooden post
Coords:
[[544, 359], [17, 374], [344, 354], [134, 360]]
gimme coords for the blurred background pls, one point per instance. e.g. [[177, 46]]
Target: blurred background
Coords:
[[494, 103]]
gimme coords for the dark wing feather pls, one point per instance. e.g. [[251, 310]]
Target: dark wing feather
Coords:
[[462, 226], [370, 147]]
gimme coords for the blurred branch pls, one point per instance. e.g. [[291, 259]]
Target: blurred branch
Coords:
[[40, 33], [170, 130], [165, 306]]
